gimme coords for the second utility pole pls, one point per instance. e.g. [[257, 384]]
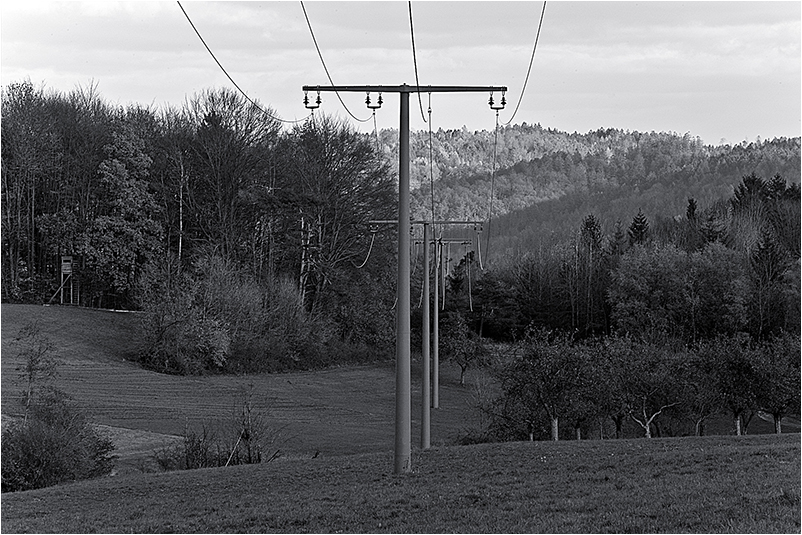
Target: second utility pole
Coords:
[[403, 409]]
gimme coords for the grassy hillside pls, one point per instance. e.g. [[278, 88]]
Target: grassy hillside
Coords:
[[334, 412], [710, 484], [718, 484]]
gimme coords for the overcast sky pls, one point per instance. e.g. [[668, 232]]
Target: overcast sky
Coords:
[[718, 70]]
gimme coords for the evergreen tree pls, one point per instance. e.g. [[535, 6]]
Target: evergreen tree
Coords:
[[618, 243], [639, 229]]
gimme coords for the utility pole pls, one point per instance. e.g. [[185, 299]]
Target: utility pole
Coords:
[[426, 416], [436, 329], [434, 347], [403, 420]]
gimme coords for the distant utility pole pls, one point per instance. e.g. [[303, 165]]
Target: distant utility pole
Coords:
[[433, 346], [403, 419]]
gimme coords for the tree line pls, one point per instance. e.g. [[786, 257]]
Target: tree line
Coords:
[[246, 240], [238, 235], [555, 387], [660, 321]]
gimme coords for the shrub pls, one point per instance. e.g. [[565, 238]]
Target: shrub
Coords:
[[54, 445], [222, 319], [246, 439], [196, 450]]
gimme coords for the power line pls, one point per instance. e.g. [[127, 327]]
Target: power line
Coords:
[[306, 16], [420, 103], [415, 60], [254, 104], [531, 60], [492, 186]]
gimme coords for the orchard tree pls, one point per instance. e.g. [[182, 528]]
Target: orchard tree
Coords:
[[607, 362], [697, 380], [735, 370], [779, 377], [546, 376], [648, 381], [460, 344]]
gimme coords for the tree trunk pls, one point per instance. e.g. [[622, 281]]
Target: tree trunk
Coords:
[[619, 426], [700, 428], [747, 420], [555, 428], [778, 424], [737, 420]]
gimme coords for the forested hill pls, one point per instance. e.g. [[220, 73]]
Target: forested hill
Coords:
[[547, 181]]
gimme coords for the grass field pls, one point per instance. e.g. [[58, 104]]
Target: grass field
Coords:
[[709, 484], [337, 411]]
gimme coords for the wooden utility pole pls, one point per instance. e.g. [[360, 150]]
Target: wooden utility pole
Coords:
[[403, 420]]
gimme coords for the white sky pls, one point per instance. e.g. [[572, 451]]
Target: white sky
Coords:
[[718, 70]]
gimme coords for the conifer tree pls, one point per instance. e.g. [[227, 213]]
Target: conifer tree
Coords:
[[639, 229]]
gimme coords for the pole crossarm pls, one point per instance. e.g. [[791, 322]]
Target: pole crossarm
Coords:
[[407, 88], [462, 241], [424, 222]]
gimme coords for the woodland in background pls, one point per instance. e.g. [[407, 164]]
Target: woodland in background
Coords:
[[247, 242], [238, 237]]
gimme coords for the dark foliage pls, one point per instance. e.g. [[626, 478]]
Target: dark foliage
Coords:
[[55, 445]]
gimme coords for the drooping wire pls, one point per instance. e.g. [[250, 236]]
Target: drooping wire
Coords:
[[372, 239], [529, 70], [244, 94], [492, 187], [420, 301], [470, 292], [376, 133], [415, 60], [306, 16], [479, 248]]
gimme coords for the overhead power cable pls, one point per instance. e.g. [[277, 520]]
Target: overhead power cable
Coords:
[[529, 70], [415, 60], [244, 94], [492, 187], [306, 16]]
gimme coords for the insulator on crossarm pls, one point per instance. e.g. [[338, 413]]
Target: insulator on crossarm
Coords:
[[500, 106], [314, 106], [376, 106]]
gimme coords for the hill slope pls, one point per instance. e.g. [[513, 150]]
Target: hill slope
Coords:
[[334, 412], [547, 181], [708, 484]]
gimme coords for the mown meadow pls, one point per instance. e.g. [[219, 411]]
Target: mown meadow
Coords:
[[335, 471], [706, 484]]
